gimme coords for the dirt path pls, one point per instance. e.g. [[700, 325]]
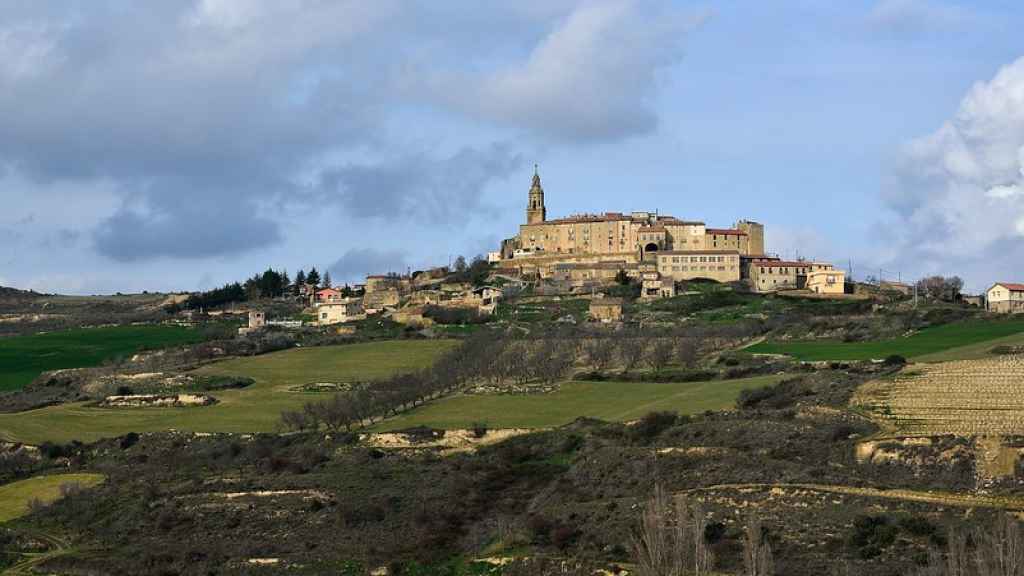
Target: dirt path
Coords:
[[58, 546], [943, 498]]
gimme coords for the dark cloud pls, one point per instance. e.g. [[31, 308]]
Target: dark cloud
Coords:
[[442, 190], [190, 109], [355, 264], [129, 235]]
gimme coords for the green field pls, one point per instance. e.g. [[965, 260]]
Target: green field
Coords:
[[931, 344], [613, 401], [253, 409], [15, 497], [22, 358]]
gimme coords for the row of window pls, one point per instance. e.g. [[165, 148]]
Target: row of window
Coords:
[[702, 268], [678, 259]]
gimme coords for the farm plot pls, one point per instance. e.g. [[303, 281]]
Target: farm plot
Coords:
[[256, 408], [965, 398], [22, 358]]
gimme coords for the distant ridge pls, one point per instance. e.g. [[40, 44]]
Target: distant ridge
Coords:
[[16, 294]]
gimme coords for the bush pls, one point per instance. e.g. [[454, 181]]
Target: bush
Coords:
[[653, 424], [128, 440], [872, 534], [895, 360], [479, 429]]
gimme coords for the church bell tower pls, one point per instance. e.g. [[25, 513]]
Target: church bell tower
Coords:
[[535, 211]]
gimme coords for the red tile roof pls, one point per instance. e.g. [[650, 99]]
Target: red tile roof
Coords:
[[725, 231], [1011, 286]]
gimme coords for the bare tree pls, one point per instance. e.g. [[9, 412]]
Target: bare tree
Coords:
[[686, 352], [998, 550], [631, 351], [757, 551], [670, 539], [601, 353], [660, 354]]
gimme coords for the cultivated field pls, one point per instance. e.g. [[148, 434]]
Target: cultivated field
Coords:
[[22, 358], [15, 497], [612, 401], [967, 397], [931, 344], [253, 409]]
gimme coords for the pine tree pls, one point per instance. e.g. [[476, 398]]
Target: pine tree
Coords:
[[313, 277], [327, 279], [300, 281]]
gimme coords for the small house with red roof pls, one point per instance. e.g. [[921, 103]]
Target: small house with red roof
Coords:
[[1005, 298]]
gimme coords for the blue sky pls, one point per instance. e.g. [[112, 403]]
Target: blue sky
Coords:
[[181, 145]]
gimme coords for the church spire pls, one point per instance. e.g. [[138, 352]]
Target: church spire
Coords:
[[535, 210]]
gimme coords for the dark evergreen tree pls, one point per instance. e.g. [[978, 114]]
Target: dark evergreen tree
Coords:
[[300, 281], [313, 277], [327, 279]]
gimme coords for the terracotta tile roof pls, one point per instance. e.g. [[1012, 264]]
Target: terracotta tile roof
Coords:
[[784, 264], [1012, 287], [724, 232]]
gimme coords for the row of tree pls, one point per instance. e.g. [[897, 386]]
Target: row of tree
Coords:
[[268, 284], [368, 401], [502, 359]]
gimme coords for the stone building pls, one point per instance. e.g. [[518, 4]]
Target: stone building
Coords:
[[1005, 298], [825, 281], [637, 235], [720, 265], [339, 311], [606, 309]]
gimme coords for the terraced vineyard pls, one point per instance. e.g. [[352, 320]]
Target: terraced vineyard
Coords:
[[965, 398]]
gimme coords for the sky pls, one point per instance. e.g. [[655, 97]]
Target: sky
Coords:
[[180, 145]]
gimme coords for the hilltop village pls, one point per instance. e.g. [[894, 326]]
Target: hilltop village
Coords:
[[587, 255]]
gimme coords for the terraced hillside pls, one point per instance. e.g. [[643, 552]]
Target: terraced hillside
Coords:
[[966, 398]]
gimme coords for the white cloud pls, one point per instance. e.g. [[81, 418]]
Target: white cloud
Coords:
[[590, 78], [957, 193]]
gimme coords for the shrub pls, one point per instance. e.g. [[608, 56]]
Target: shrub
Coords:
[[128, 440], [872, 534], [895, 360], [479, 429], [653, 424]]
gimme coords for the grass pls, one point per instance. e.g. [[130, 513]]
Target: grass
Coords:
[[931, 344], [613, 401], [977, 351], [15, 497], [253, 409], [23, 358]]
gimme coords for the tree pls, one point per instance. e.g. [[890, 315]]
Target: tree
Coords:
[[460, 264], [941, 288], [757, 551], [631, 351], [687, 352], [661, 354], [313, 278], [300, 280], [327, 279], [601, 353], [622, 278], [671, 540]]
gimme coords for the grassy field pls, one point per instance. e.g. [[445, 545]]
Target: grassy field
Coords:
[[253, 409], [15, 497], [614, 401], [931, 344], [22, 358]]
